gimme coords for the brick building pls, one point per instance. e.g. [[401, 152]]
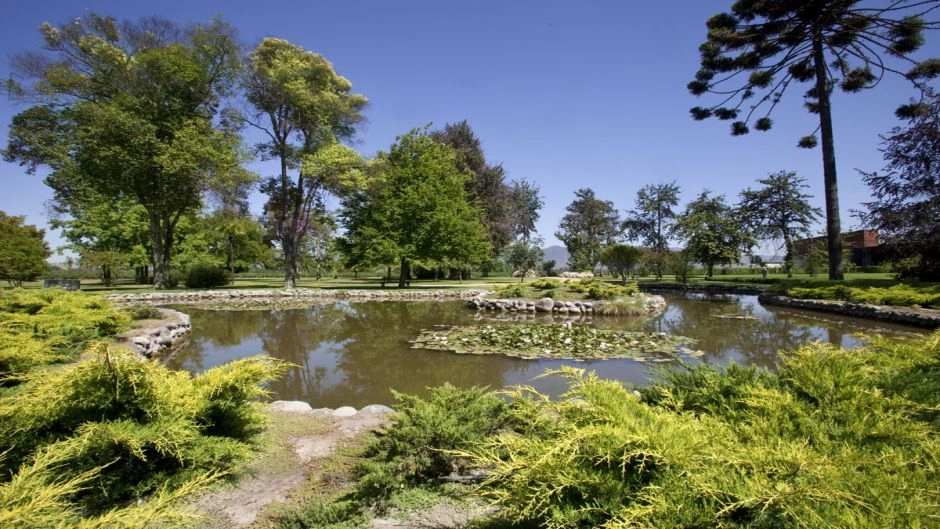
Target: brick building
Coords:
[[863, 244]]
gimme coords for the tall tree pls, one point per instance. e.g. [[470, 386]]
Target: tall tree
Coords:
[[510, 209], [906, 205], [589, 225], [523, 255], [305, 109], [621, 259], [525, 204], [653, 220], [23, 251], [712, 232], [416, 210], [127, 111], [825, 42], [779, 209]]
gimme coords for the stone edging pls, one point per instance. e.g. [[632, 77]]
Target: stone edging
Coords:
[[292, 295], [153, 340], [298, 406], [704, 289], [919, 317]]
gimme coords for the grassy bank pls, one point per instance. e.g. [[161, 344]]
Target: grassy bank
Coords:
[[96, 437], [832, 439]]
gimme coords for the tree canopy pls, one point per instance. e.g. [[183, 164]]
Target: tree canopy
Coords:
[[589, 225], [621, 259], [712, 231], [126, 110], [304, 108], [779, 209], [848, 43], [653, 220], [906, 194], [23, 251], [415, 209]]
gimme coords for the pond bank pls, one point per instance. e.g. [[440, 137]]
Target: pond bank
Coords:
[[927, 318], [272, 296]]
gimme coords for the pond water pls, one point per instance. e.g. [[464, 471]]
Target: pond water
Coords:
[[353, 353]]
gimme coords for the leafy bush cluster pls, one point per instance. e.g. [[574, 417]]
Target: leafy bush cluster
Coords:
[[512, 291], [545, 284], [900, 295], [600, 290], [80, 443], [835, 439], [423, 434], [117, 428], [43, 327], [203, 275]]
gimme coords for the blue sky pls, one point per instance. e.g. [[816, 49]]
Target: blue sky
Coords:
[[564, 94]]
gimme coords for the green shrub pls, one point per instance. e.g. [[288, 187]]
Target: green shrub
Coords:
[[144, 312], [206, 276], [511, 291], [418, 443], [835, 439], [319, 515], [43, 327], [144, 424], [545, 284]]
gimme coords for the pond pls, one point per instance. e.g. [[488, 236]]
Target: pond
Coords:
[[352, 353]]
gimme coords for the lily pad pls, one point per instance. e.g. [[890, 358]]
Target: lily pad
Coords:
[[569, 341]]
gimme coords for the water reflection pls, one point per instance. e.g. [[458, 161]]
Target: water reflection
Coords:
[[353, 353]]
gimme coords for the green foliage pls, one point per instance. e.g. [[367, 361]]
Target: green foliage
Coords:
[[901, 295], [836, 438], [600, 290], [589, 224], [130, 427], [512, 291], [575, 340], [779, 210], [416, 210], [423, 434], [144, 312], [522, 256], [23, 251], [203, 275], [319, 515], [653, 222], [43, 327], [545, 284], [622, 260], [122, 115], [712, 232]]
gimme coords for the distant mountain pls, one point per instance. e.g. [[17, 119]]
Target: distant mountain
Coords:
[[559, 254]]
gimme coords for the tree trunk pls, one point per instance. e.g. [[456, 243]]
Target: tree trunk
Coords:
[[290, 261], [161, 243], [788, 258], [404, 275], [833, 224]]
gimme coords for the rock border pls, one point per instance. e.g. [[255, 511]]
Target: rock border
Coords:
[[299, 406], [170, 331], [291, 295], [927, 318]]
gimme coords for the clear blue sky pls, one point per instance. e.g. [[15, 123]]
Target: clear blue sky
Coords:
[[564, 94]]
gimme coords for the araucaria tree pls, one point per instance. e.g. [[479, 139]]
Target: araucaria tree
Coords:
[[779, 210], [415, 210], [906, 205], [712, 231], [589, 225], [849, 43], [305, 109], [126, 111], [653, 221]]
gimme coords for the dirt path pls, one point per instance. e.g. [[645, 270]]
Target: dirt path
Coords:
[[299, 437]]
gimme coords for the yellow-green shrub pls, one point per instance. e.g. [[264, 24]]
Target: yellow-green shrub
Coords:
[[835, 439], [143, 423], [42, 327]]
